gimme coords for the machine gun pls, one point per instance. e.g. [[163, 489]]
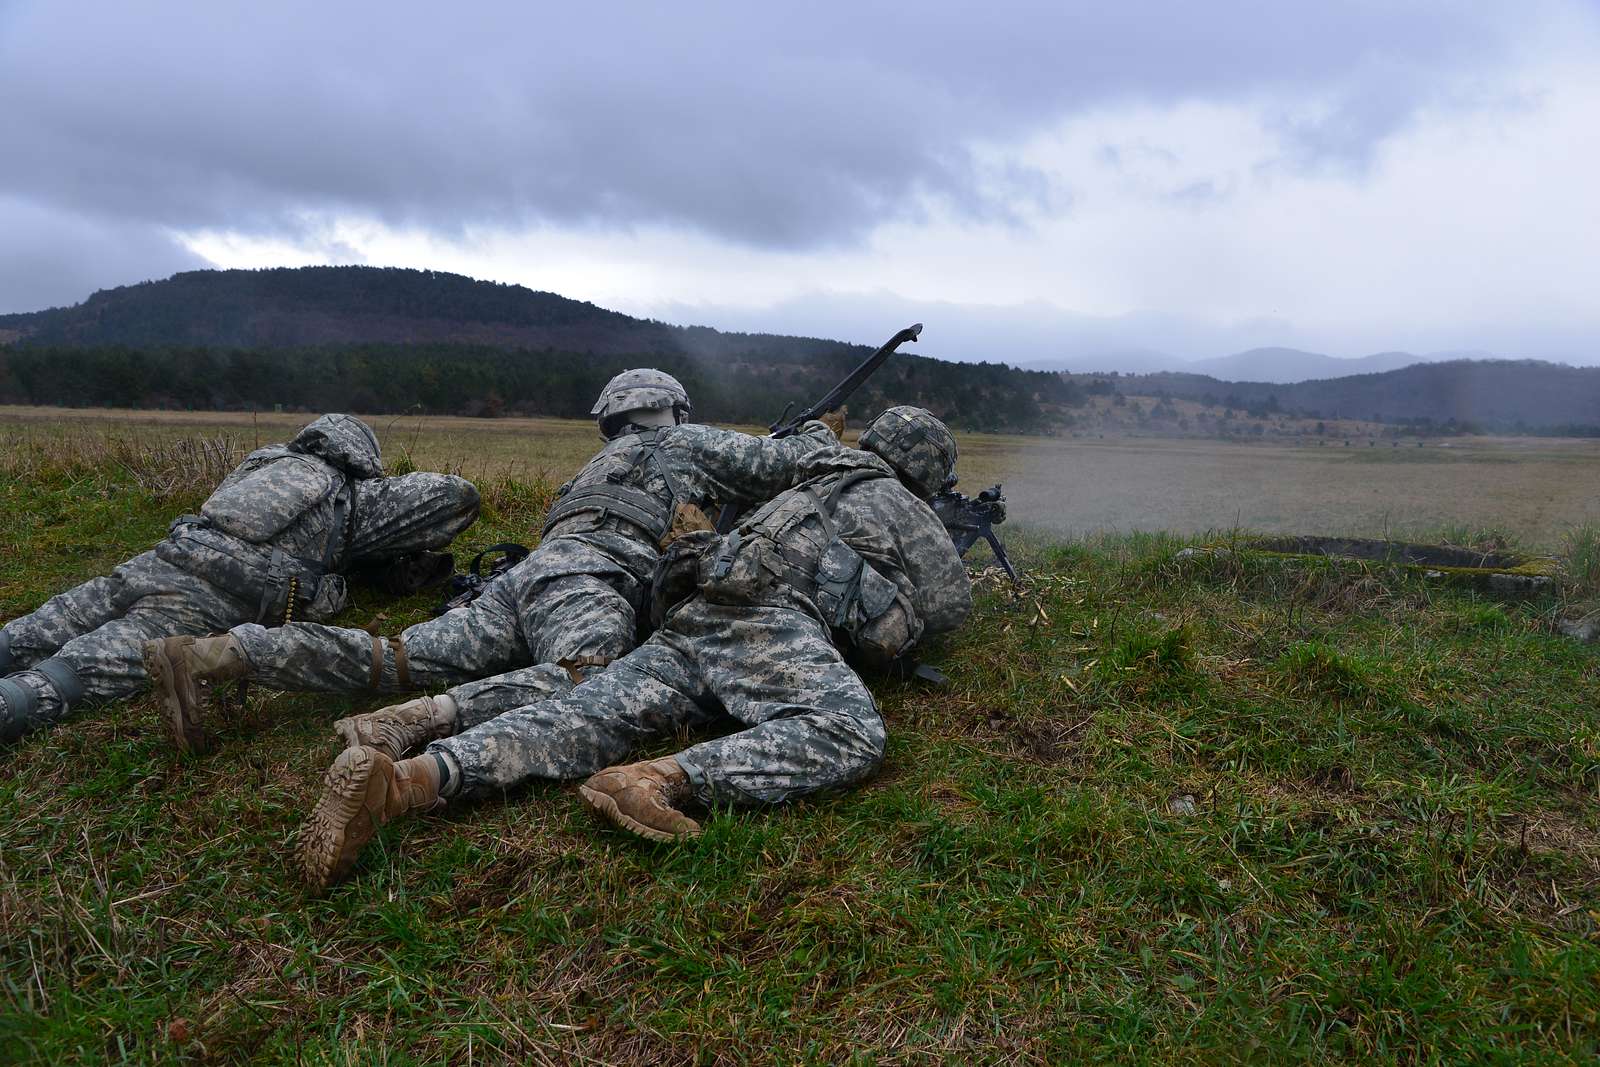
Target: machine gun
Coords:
[[465, 588], [968, 518]]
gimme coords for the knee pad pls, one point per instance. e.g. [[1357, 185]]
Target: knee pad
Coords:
[[18, 704], [64, 677], [5, 654]]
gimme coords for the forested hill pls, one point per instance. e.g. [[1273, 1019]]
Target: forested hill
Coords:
[[382, 339], [1499, 395]]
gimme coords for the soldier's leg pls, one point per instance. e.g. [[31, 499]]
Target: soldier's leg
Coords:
[[106, 663], [646, 695], [813, 723], [483, 638], [581, 619], [574, 625], [85, 607], [399, 729], [479, 701], [409, 513]]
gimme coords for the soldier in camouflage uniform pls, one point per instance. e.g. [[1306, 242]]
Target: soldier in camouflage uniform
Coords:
[[853, 556], [567, 609], [271, 543]]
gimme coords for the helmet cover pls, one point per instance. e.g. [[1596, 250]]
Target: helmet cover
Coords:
[[344, 441], [919, 447], [643, 388]]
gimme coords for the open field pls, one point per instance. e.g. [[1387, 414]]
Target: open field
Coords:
[[1531, 489], [1215, 810]]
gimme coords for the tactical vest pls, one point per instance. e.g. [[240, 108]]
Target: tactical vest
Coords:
[[778, 549], [230, 542], [602, 488]]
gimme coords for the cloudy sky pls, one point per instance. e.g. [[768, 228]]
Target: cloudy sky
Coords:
[[1036, 180]]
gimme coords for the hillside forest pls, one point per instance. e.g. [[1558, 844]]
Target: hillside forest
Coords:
[[386, 340]]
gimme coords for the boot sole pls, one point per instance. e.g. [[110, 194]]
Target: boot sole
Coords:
[[605, 808], [322, 852], [183, 730]]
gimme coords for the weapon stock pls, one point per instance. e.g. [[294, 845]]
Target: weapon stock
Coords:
[[785, 426], [835, 397]]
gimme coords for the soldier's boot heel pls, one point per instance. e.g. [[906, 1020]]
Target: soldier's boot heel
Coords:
[[363, 790], [643, 799], [400, 728], [181, 669]]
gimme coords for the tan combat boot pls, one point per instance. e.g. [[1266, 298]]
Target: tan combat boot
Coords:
[[362, 790], [643, 799], [182, 669], [399, 728]]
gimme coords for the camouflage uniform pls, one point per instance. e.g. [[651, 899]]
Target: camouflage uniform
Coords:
[[755, 646], [271, 540], [574, 601]]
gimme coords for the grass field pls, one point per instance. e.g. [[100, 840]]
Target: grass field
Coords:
[[1212, 810], [1531, 490]]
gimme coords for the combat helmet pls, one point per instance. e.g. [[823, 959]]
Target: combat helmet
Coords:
[[344, 441], [640, 389], [919, 447]]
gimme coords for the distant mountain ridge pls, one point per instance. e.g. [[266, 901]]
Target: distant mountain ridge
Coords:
[[1509, 395], [1275, 365], [387, 339], [291, 307]]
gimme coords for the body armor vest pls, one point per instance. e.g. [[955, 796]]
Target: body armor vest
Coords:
[[791, 542], [608, 486], [230, 542]]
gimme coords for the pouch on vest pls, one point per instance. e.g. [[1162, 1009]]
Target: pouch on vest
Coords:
[[677, 573], [850, 593], [332, 596], [745, 569], [268, 500]]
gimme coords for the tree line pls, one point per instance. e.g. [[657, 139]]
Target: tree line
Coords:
[[751, 386]]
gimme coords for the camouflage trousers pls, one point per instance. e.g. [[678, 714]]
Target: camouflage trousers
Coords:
[[98, 628], [812, 723], [566, 602]]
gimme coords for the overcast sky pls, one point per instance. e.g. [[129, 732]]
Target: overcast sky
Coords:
[[1040, 179]]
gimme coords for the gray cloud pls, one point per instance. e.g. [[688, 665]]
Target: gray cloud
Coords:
[[49, 258], [792, 127]]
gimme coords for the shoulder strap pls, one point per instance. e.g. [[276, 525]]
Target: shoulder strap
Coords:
[[651, 439], [343, 518], [826, 508]]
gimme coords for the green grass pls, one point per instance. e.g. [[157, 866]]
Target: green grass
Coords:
[[1217, 809]]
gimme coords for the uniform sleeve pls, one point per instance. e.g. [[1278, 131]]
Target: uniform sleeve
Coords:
[[732, 467], [900, 537], [409, 513]]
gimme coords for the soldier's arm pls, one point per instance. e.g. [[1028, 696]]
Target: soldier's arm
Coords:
[[416, 512], [729, 466]]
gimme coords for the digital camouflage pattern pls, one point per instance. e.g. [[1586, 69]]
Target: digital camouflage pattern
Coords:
[[206, 576], [576, 598], [769, 664], [640, 389], [916, 444]]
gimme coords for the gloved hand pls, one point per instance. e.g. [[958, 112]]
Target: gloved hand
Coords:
[[834, 420]]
